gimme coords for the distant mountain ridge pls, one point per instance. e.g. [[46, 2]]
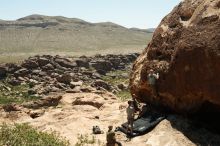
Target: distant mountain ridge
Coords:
[[39, 33]]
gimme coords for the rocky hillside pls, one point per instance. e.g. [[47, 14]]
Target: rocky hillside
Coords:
[[185, 50], [44, 34], [40, 76]]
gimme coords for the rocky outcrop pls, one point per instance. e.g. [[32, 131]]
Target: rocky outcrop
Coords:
[[44, 102], [185, 50]]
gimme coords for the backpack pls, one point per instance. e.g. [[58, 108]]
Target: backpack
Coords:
[[97, 130]]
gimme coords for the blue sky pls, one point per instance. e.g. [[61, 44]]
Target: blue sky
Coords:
[[129, 13]]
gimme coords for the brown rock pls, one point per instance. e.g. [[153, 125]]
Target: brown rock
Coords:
[[22, 72], [65, 78], [101, 84], [11, 107], [36, 113], [44, 102], [185, 51], [102, 65], [74, 84], [65, 63], [30, 64], [83, 62], [43, 61]]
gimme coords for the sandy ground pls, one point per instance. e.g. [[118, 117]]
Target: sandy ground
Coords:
[[77, 113]]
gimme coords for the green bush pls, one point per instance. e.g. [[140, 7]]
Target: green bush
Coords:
[[16, 94], [124, 95], [25, 135]]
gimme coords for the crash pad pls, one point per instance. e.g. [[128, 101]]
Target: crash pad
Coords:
[[143, 124]]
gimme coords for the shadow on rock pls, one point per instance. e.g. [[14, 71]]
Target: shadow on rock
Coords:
[[196, 132]]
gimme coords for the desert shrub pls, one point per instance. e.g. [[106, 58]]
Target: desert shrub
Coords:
[[124, 95], [25, 135], [83, 140]]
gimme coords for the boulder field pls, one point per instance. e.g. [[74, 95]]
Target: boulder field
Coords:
[[45, 74], [185, 50]]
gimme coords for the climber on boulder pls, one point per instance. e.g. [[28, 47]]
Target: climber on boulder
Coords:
[[152, 77], [135, 103]]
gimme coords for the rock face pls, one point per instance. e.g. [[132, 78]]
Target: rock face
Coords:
[[185, 50]]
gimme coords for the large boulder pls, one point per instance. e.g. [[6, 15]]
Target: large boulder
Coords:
[[101, 65], [22, 72], [185, 50], [65, 78], [82, 62], [43, 61], [65, 63], [29, 64]]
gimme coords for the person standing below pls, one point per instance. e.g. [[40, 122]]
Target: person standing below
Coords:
[[130, 117], [110, 137], [152, 77]]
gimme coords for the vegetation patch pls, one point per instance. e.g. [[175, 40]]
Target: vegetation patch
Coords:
[[124, 95], [117, 77], [14, 94], [25, 135], [84, 140]]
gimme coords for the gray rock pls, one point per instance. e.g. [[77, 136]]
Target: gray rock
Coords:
[[32, 91], [3, 72], [65, 63], [22, 72], [14, 82], [101, 84], [82, 62], [122, 86], [48, 67], [43, 61], [29, 64], [101, 65]]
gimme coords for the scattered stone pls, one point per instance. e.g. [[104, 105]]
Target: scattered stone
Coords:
[[44, 102], [32, 92], [74, 84], [83, 62], [46, 73], [65, 63], [14, 82], [22, 72], [29, 64], [43, 61], [36, 113], [65, 78], [11, 107], [122, 86], [48, 67], [101, 84], [6, 87], [102, 65], [3, 72]]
